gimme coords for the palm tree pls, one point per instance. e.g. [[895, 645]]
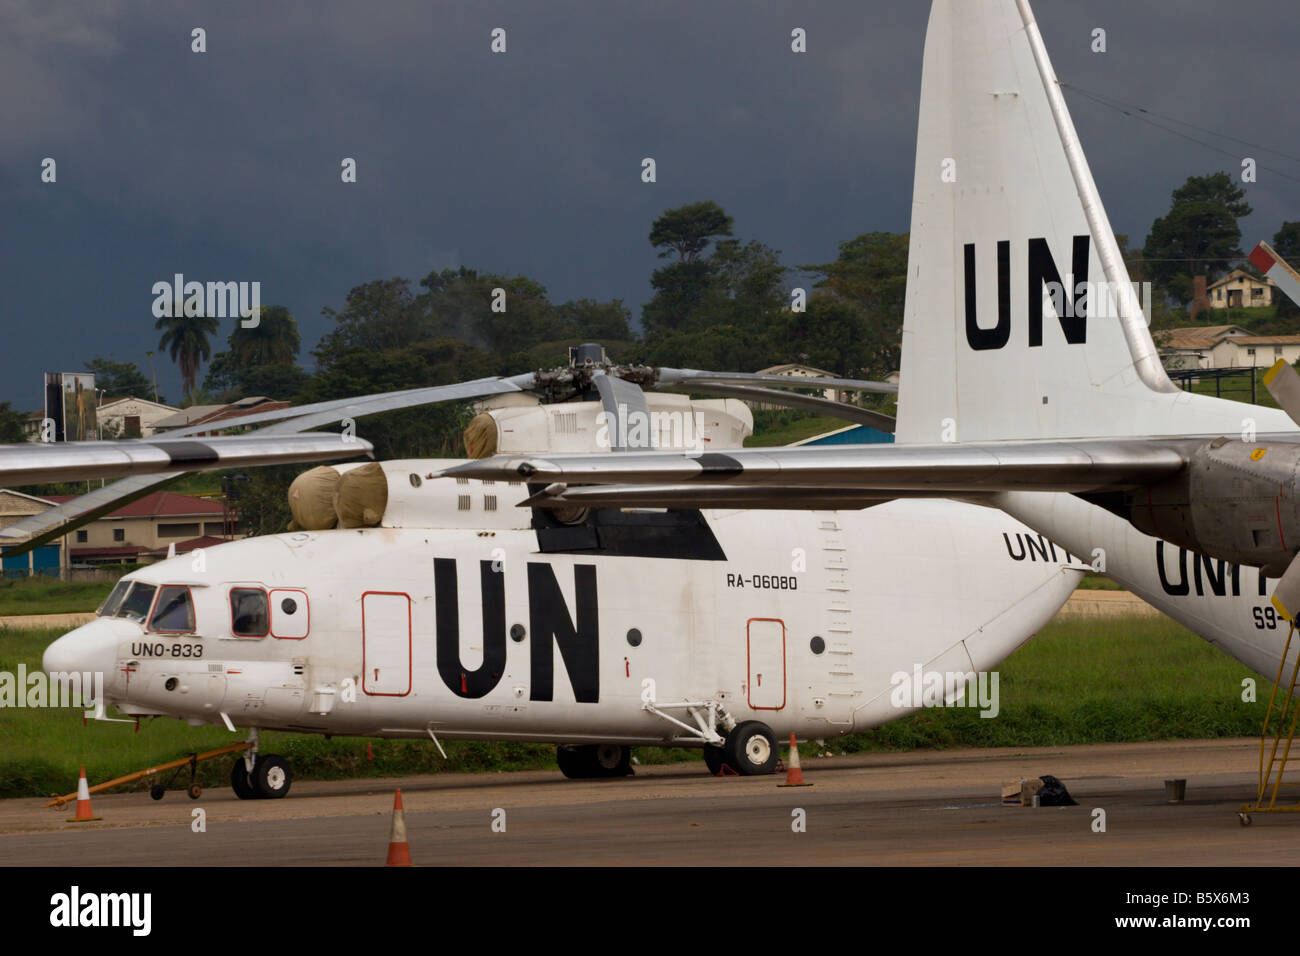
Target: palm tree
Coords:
[[273, 341], [186, 339]]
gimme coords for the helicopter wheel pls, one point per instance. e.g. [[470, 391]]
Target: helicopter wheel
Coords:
[[240, 781]]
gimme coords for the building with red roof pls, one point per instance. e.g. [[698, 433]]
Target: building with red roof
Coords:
[[141, 531]]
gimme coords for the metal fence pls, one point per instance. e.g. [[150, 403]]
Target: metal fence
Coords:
[[1235, 383]]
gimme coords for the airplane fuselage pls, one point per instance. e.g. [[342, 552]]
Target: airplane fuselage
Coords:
[[1225, 603]]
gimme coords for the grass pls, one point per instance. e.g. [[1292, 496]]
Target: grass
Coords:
[[1096, 681], [198, 483], [1237, 387], [1078, 682], [784, 430], [46, 595], [1098, 582]]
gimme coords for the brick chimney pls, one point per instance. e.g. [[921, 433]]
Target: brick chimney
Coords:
[[1200, 300]]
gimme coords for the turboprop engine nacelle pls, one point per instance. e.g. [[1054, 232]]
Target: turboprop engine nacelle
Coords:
[[1235, 500]]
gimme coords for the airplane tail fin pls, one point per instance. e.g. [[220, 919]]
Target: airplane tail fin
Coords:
[[1020, 318]]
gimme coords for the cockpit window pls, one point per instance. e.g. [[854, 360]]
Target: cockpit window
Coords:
[[114, 599], [136, 605], [174, 611], [248, 612]]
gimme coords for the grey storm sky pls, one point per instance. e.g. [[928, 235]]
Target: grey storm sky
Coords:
[[225, 165]]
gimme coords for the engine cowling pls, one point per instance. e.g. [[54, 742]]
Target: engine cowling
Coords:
[[1239, 501]]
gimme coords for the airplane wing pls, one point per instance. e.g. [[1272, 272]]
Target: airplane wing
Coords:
[[886, 470], [748, 497]]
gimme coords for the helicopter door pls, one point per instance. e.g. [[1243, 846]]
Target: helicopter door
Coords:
[[386, 643], [766, 655]]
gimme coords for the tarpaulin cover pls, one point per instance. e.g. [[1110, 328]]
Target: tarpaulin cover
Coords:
[[362, 496], [311, 500]]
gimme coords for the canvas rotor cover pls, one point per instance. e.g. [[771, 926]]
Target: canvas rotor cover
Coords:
[[311, 500], [361, 497], [481, 436]]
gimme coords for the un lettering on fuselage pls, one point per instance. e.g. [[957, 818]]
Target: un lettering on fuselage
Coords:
[[550, 625], [1222, 578]]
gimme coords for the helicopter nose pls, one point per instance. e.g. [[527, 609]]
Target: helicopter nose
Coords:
[[90, 648]]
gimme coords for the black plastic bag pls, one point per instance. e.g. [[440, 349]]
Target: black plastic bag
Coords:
[[1054, 793]]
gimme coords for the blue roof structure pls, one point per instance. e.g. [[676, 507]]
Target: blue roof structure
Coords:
[[852, 435]]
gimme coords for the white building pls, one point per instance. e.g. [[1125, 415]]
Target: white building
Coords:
[[1240, 290], [132, 417], [1224, 346]]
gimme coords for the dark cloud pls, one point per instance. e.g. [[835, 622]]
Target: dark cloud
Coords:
[[226, 165]]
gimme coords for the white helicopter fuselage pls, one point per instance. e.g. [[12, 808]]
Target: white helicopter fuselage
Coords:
[[480, 625]]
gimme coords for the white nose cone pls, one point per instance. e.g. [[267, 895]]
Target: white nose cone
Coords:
[[91, 648]]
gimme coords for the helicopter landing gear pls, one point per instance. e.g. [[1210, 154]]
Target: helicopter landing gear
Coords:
[[594, 761]]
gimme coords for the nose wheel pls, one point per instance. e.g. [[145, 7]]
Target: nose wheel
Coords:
[[270, 779]]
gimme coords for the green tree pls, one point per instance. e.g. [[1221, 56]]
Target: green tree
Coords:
[[228, 380], [1198, 236], [835, 335], [681, 286], [748, 282], [185, 337], [274, 340], [585, 320], [260, 360], [260, 498], [119, 379], [727, 322], [497, 312], [431, 431], [1286, 243], [1217, 188], [382, 314], [11, 425], [720, 347], [688, 229], [870, 276]]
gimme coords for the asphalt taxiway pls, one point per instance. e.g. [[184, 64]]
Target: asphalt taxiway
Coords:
[[889, 809]]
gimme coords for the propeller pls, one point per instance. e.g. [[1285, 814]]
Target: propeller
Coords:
[[1283, 383], [623, 402], [676, 376]]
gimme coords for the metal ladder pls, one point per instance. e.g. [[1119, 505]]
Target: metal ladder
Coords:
[[1284, 716]]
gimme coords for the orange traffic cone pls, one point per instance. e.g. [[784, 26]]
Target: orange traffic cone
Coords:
[[399, 851], [84, 813], [794, 773]]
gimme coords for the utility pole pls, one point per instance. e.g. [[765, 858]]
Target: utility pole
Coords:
[[155, 375]]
